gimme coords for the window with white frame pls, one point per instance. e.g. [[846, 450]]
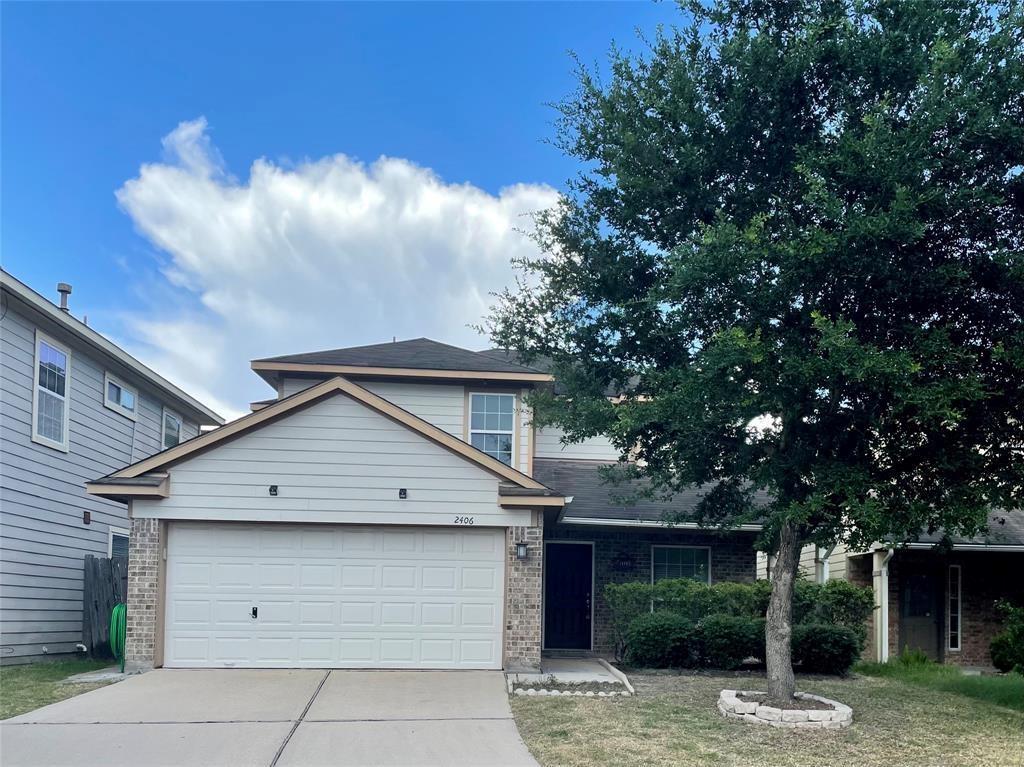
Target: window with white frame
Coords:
[[680, 562], [50, 396], [119, 396], [117, 543], [953, 621], [171, 429], [492, 424]]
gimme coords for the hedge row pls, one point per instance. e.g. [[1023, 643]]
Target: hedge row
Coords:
[[1007, 647], [714, 625], [668, 640]]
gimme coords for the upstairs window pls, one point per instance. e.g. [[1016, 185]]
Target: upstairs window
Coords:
[[119, 396], [492, 424], [50, 394], [172, 429], [680, 562]]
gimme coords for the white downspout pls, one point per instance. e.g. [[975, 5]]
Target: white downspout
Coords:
[[880, 578], [821, 558]]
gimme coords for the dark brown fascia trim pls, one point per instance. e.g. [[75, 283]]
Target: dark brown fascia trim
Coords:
[[393, 372]]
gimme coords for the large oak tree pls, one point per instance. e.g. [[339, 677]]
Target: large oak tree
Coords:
[[795, 250]]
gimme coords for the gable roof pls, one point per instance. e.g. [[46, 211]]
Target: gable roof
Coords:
[[418, 357], [337, 385], [105, 349]]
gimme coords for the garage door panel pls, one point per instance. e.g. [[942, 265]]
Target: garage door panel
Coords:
[[334, 596], [269, 650]]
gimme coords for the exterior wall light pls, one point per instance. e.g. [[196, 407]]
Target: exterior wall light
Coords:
[[522, 551]]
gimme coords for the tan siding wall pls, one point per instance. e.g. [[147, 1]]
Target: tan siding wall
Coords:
[[336, 461], [549, 445], [443, 405]]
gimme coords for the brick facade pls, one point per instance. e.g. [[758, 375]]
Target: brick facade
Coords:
[[859, 573], [732, 559], [143, 592], [985, 578], [523, 598]]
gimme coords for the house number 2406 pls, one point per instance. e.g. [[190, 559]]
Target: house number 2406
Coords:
[[463, 520]]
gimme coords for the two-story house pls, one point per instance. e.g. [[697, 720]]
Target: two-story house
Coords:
[[392, 507], [72, 406]]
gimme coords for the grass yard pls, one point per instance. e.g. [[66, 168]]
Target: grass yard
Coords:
[[28, 687], [673, 720], [1003, 690]]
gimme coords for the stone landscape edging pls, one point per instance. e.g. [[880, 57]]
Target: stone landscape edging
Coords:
[[732, 707], [533, 691]]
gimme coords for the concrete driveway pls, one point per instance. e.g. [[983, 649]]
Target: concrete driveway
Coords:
[[275, 718]]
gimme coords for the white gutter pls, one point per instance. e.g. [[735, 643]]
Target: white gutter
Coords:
[[649, 523], [84, 333], [970, 546], [880, 582]]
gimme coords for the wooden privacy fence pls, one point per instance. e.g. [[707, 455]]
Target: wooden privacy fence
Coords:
[[106, 584]]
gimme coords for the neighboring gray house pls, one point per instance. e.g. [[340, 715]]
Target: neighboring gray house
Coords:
[[72, 406]]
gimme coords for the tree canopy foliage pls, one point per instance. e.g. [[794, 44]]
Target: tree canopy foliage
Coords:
[[795, 250]]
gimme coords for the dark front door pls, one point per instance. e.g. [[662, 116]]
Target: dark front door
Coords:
[[568, 580], [919, 613]]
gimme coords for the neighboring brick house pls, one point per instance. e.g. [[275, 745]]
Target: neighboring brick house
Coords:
[[393, 507], [937, 595]]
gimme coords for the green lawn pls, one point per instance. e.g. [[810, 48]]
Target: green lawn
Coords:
[[1003, 690], [28, 687], [673, 720]]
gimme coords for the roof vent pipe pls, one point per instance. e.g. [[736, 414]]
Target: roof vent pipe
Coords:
[[65, 290]]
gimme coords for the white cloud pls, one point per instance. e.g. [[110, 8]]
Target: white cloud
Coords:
[[323, 254]]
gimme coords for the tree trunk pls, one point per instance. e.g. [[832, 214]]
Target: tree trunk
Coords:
[[779, 624]]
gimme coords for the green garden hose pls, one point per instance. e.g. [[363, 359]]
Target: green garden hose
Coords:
[[117, 632]]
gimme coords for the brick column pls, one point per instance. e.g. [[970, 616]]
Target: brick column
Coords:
[[143, 585], [523, 598]]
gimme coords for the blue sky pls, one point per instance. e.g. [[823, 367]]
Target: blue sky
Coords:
[[162, 259]]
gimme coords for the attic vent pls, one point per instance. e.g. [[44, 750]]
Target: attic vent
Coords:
[[65, 290]]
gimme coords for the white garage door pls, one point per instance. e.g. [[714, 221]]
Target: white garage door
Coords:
[[266, 595]]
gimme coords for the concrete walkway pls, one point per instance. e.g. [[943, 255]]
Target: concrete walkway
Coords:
[[275, 718]]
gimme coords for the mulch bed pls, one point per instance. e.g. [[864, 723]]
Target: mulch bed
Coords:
[[570, 686], [800, 704]]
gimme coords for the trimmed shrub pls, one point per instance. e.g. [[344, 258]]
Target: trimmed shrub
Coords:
[[841, 603], [681, 596], [626, 602], [1007, 647], [660, 640], [725, 641], [821, 648], [744, 599]]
